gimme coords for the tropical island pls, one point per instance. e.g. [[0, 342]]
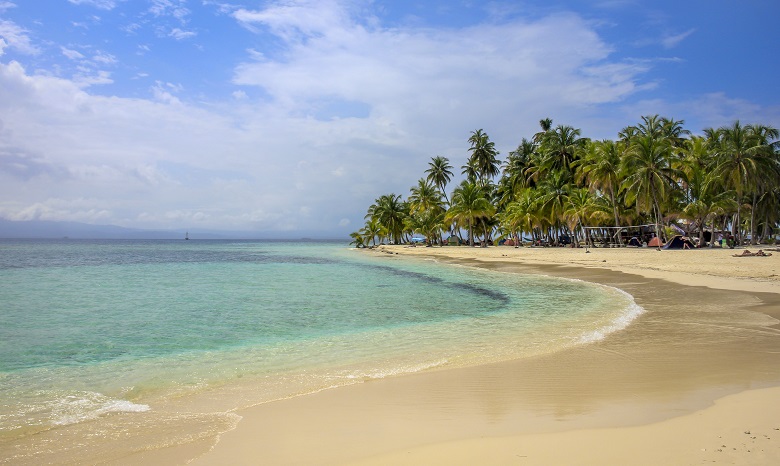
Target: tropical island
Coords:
[[656, 180]]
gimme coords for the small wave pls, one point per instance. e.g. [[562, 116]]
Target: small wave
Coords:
[[85, 406], [392, 371], [631, 312]]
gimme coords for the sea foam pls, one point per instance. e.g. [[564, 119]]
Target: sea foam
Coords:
[[85, 406]]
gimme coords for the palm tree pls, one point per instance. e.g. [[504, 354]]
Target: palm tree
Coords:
[[579, 209], [600, 167], [390, 212], [649, 176], [555, 192], [744, 157], [373, 230], [469, 204], [710, 203], [440, 174], [561, 147], [521, 215], [357, 239], [545, 124], [424, 197], [484, 156], [517, 163], [429, 223]]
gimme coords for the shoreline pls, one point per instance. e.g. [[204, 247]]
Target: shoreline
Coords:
[[670, 369]]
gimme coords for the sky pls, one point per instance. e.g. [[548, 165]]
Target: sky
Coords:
[[289, 117]]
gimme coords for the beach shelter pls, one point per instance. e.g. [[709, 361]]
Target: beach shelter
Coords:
[[634, 242], [654, 243], [453, 240], [678, 242]]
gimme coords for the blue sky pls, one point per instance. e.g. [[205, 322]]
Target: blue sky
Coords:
[[290, 117]]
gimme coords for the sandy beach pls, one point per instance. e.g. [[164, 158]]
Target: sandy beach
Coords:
[[695, 379]]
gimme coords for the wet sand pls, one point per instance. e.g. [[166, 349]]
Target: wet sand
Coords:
[[694, 379]]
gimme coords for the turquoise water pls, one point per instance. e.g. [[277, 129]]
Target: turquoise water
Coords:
[[167, 338]]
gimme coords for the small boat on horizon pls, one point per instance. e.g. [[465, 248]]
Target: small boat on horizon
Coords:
[[187, 235]]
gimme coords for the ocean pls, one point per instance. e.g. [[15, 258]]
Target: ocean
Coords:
[[113, 347]]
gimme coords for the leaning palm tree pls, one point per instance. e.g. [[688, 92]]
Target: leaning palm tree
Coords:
[[469, 203], [357, 239], [440, 174], [649, 176], [373, 230]]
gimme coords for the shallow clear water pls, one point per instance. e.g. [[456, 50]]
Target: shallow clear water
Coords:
[[124, 336]]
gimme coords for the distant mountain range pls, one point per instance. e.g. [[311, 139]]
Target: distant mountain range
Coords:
[[45, 229]]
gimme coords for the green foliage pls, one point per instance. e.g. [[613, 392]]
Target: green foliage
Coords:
[[558, 182]]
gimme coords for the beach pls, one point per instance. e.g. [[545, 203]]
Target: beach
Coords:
[[694, 379]]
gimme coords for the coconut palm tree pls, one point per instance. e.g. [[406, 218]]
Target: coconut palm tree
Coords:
[[561, 148], [555, 190], [424, 197], [649, 176], [545, 124], [600, 169], [484, 156], [357, 239], [440, 174], [517, 163], [390, 212], [469, 203], [744, 157], [429, 223], [373, 230], [580, 208], [521, 215]]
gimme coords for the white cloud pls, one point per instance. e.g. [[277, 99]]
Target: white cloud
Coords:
[[15, 37], [174, 8], [104, 58], [86, 77], [101, 4], [71, 54], [179, 34], [6, 6], [673, 40]]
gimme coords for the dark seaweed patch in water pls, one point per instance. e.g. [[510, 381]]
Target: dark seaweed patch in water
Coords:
[[478, 290], [468, 287]]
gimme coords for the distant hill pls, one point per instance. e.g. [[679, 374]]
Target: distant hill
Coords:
[[37, 229], [46, 229]]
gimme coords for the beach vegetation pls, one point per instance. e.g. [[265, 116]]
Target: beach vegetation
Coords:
[[655, 179]]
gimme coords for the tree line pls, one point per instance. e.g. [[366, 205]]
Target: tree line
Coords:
[[558, 184]]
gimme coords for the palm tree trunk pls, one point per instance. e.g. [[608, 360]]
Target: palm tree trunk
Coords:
[[752, 220], [657, 215], [615, 213]]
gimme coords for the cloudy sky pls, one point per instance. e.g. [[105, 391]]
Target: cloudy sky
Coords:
[[291, 116]]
